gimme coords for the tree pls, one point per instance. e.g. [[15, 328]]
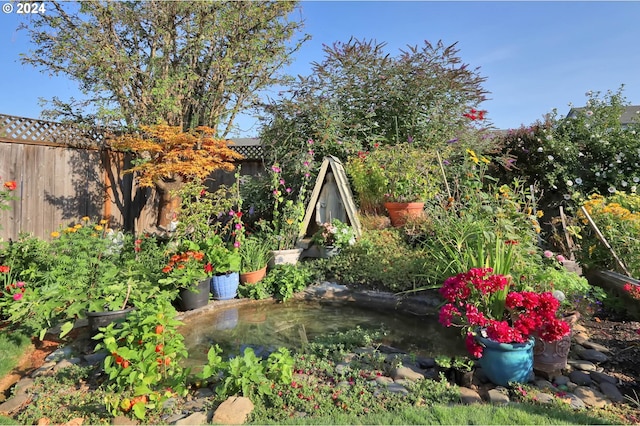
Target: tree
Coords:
[[185, 64], [359, 96], [170, 157]]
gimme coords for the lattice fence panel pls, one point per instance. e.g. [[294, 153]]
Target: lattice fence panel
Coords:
[[29, 130]]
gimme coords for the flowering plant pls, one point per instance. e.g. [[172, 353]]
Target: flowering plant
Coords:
[[185, 269], [288, 205], [335, 234], [470, 304]]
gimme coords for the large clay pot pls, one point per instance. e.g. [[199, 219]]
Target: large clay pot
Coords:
[[551, 357], [225, 287], [198, 297], [400, 212], [503, 363], [285, 257], [253, 276]]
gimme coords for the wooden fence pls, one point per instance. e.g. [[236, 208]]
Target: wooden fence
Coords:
[[64, 173]]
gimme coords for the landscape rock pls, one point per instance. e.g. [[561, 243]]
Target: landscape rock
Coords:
[[580, 378], [590, 397], [497, 397], [233, 411], [469, 396], [611, 391], [407, 372], [197, 418], [593, 355], [602, 377], [581, 364]]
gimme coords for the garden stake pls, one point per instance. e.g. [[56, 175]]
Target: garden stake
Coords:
[[604, 241], [444, 176]]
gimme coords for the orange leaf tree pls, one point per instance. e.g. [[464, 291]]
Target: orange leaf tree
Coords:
[[168, 157]]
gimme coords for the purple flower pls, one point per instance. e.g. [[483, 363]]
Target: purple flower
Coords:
[[454, 140], [446, 162], [252, 210], [410, 139]]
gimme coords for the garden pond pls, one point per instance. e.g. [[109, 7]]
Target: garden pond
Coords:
[[267, 326]]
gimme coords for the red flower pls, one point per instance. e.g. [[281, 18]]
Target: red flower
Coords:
[[208, 268], [4, 269], [11, 185]]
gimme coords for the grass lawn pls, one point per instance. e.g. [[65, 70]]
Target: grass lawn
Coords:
[[13, 346]]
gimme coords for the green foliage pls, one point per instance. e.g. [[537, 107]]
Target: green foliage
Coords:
[[85, 267], [379, 259], [334, 234], [286, 280], [255, 253], [586, 152], [167, 57], [360, 95], [145, 353]]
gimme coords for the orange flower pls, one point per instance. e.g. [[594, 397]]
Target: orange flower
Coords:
[[11, 185], [198, 255], [4, 269]]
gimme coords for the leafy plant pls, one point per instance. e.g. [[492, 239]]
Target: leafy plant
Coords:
[[335, 234], [143, 364], [286, 280], [255, 253]]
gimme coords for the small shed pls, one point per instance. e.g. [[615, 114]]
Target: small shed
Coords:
[[331, 199]]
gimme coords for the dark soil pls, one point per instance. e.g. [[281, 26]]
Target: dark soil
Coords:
[[622, 337]]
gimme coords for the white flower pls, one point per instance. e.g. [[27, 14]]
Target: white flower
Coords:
[[597, 173], [580, 154], [550, 157], [569, 183], [589, 113], [567, 196], [636, 179], [578, 181], [623, 183], [612, 189], [540, 149], [633, 188]]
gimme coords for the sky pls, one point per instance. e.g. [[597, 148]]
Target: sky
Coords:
[[536, 56]]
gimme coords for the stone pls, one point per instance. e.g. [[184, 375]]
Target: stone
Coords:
[[384, 380], [233, 411], [95, 358], [544, 384], [204, 393], [590, 397], [397, 388], [543, 398], [13, 404], [497, 397], [44, 369], [575, 402], [596, 346], [197, 418], [599, 377], [560, 380], [469, 396], [612, 392], [581, 364], [577, 328], [580, 378], [407, 372], [59, 354], [425, 362], [123, 421], [65, 363], [593, 355], [580, 338], [23, 386]]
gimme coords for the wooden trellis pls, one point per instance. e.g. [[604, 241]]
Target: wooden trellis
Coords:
[[32, 131]]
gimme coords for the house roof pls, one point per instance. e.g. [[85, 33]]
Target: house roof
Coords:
[[630, 113]]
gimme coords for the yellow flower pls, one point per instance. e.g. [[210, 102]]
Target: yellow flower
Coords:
[[103, 222], [289, 221], [72, 230], [78, 226], [98, 228], [55, 234], [485, 160], [539, 213], [94, 235], [473, 156], [85, 219]]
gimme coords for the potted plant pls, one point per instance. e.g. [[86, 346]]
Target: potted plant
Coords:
[[333, 237], [223, 265], [187, 273], [463, 370], [500, 325], [400, 176], [254, 254]]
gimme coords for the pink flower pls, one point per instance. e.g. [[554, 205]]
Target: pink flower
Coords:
[[560, 258], [20, 284], [236, 244], [548, 254], [288, 190], [238, 226], [473, 347], [281, 181], [17, 296]]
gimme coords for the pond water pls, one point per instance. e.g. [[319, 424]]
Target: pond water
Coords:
[[265, 327]]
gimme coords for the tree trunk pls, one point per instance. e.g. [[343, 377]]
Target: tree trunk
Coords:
[[170, 201]]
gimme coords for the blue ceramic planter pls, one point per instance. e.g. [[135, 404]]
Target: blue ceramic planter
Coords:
[[506, 362], [225, 287]]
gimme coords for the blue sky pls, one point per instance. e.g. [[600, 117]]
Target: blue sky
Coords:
[[536, 56]]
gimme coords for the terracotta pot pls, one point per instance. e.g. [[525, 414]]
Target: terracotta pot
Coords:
[[400, 212], [253, 277]]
